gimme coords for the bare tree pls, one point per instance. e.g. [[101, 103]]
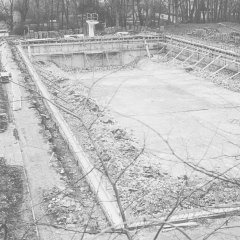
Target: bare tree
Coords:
[[22, 6]]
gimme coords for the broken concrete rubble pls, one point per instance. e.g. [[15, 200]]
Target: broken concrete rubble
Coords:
[[64, 209]]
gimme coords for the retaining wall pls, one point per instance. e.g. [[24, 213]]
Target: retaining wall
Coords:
[[89, 60]]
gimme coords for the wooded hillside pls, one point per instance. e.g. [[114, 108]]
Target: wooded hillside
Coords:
[[72, 13]]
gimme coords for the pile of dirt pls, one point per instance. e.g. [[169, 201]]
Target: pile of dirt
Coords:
[[204, 33]]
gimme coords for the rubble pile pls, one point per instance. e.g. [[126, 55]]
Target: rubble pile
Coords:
[[225, 35], [149, 192], [145, 189], [204, 32], [222, 78], [215, 35], [65, 209]]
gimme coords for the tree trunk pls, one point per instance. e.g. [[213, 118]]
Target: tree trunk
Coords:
[[139, 13], [133, 12], [116, 10], [11, 14]]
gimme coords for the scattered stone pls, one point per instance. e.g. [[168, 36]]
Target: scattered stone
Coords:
[[107, 120]]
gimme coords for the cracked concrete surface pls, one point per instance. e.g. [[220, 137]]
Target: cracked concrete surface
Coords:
[[200, 119]]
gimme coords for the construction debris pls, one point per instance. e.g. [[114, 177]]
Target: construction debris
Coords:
[[65, 209], [145, 189]]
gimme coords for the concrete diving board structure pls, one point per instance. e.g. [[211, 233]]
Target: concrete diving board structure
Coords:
[[92, 20]]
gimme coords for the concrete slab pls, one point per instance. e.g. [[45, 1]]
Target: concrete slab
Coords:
[[200, 120]]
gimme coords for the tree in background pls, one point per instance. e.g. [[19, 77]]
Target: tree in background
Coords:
[[120, 13]]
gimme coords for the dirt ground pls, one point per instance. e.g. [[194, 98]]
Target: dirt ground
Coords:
[[212, 34], [184, 29]]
